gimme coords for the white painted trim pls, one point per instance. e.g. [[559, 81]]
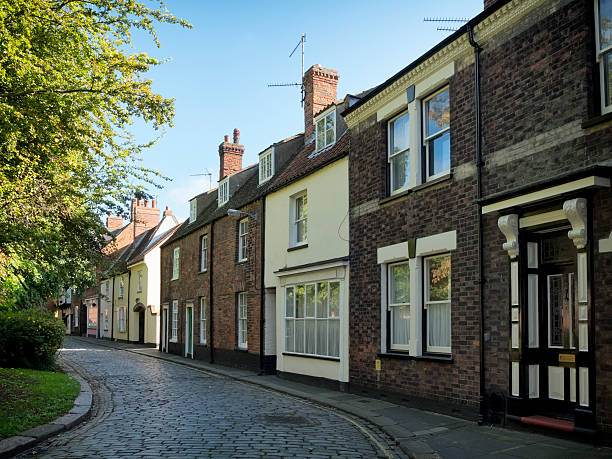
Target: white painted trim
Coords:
[[605, 245], [515, 379], [556, 383], [539, 219], [437, 243], [321, 267], [393, 108], [535, 196], [583, 384], [534, 381], [391, 253], [188, 341]]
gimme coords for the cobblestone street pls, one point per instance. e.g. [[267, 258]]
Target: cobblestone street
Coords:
[[144, 407]]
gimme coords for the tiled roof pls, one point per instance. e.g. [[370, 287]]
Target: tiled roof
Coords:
[[307, 161]]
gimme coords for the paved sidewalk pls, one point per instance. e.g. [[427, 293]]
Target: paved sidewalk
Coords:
[[419, 433]]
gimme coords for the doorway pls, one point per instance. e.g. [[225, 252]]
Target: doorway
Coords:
[[141, 327], [189, 331], [164, 330]]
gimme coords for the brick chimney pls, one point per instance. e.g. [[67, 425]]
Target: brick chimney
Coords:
[[230, 155], [320, 87], [143, 216], [167, 212], [114, 222]]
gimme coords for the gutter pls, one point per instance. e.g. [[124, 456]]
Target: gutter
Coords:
[[477, 49]]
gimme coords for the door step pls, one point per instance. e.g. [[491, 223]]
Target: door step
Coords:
[[547, 422]]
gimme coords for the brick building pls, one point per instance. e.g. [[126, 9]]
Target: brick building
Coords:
[[213, 301], [480, 220]]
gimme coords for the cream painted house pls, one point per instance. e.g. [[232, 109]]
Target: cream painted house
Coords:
[[307, 251]]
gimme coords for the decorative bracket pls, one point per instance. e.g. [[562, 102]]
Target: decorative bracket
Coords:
[[576, 212], [508, 224]]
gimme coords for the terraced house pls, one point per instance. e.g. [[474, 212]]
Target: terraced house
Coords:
[[481, 218], [212, 268]]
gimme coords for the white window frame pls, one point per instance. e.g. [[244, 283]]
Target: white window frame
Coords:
[[106, 319], [295, 219], [243, 243], [76, 316], [202, 320], [329, 317], [266, 165], [323, 117], [391, 154], [242, 321], [600, 53], [204, 253], [121, 319], [176, 254], [428, 139], [193, 210], [223, 191], [391, 306], [174, 322], [121, 287], [427, 302], [139, 287]]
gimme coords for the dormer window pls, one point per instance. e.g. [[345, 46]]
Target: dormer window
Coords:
[[266, 165], [326, 129], [223, 191], [193, 210]]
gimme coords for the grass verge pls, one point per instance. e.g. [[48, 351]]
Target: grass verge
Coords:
[[29, 398]]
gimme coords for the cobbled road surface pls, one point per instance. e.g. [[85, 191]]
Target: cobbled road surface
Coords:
[[145, 407]]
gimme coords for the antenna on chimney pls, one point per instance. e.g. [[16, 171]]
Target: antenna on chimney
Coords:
[[207, 173], [444, 27], [301, 85]]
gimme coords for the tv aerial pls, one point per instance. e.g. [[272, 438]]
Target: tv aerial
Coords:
[[446, 28], [207, 173], [301, 85]]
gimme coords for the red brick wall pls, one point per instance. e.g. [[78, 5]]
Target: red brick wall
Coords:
[[230, 155], [320, 86]]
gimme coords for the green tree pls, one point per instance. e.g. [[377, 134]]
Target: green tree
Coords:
[[69, 91]]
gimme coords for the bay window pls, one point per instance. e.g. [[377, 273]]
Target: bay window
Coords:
[[312, 319]]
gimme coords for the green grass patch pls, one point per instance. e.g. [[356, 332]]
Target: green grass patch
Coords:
[[29, 398]]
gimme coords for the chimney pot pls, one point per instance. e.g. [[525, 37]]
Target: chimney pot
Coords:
[[146, 204], [236, 136], [153, 203], [226, 139]]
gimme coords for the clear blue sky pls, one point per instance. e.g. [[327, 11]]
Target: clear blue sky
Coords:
[[219, 71]]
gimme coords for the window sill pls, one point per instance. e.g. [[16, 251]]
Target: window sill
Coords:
[[241, 349], [426, 358], [297, 247], [597, 120], [174, 278], [173, 340], [244, 260], [202, 272], [306, 356], [422, 186], [433, 182]]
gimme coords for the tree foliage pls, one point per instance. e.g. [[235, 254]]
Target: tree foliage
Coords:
[[70, 88]]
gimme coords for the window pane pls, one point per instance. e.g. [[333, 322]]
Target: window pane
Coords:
[[334, 337], [400, 170], [329, 129], [289, 299], [310, 300], [289, 335], [400, 284], [439, 324], [299, 335], [322, 337], [439, 154], [438, 112], [299, 301], [322, 299], [607, 63], [334, 299], [439, 269], [605, 23], [400, 134], [400, 320], [310, 336], [320, 134], [302, 231]]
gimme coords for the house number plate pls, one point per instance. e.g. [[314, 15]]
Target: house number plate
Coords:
[[567, 358]]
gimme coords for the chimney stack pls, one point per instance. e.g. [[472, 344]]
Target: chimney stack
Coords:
[[320, 86], [113, 222], [167, 212], [143, 217], [230, 155]]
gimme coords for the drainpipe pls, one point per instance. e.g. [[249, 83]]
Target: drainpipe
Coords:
[[113, 312], [477, 49], [210, 293], [262, 292]]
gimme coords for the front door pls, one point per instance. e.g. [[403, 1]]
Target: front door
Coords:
[[141, 327], [164, 330], [189, 331], [556, 350]]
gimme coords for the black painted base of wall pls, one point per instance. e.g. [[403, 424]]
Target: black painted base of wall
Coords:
[[237, 359], [315, 381]]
